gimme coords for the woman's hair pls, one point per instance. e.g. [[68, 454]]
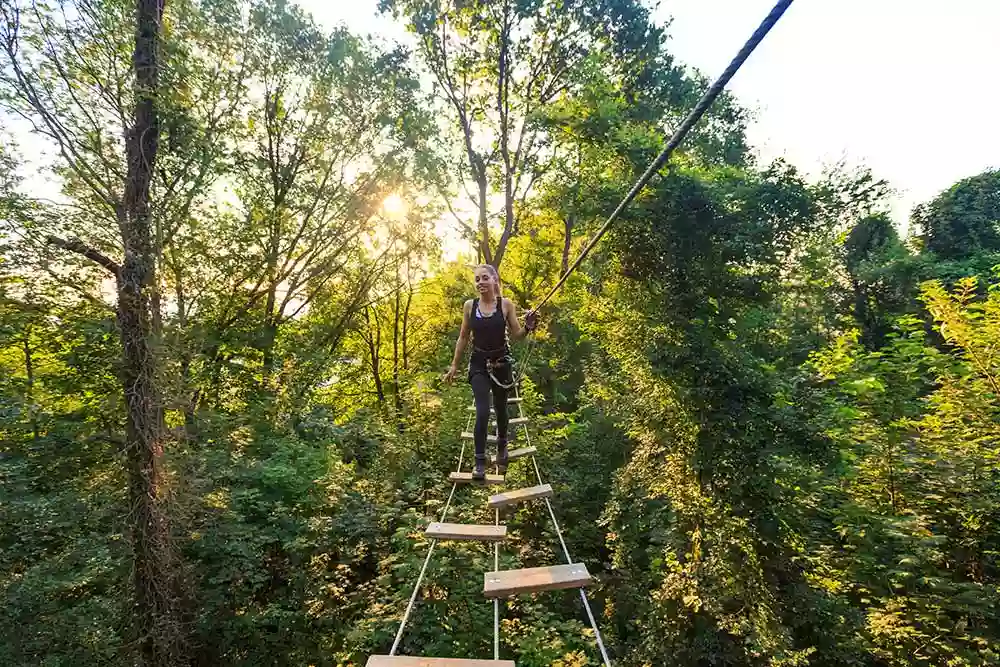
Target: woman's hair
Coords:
[[490, 269]]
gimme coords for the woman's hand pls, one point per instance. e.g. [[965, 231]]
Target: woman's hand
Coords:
[[449, 377], [530, 321]]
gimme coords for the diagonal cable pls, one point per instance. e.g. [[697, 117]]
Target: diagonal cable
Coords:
[[692, 119]]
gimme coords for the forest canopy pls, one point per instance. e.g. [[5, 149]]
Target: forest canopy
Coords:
[[769, 413]]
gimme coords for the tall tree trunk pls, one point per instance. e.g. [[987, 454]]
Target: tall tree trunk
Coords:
[[485, 253], [503, 110], [568, 225], [269, 330], [186, 395], [269, 327], [374, 341], [29, 373], [406, 327], [156, 309], [396, 396], [156, 342], [159, 638]]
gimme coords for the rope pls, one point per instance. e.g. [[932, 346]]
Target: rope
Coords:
[[413, 598], [699, 110], [496, 601], [423, 570], [569, 559], [515, 376]]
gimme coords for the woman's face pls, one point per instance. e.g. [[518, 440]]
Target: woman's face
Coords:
[[484, 281]]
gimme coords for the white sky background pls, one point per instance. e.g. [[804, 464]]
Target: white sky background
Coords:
[[906, 87]]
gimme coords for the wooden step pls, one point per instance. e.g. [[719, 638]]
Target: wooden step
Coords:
[[414, 661], [465, 531], [516, 454], [510, 400], [521, 495], [513, 421], [469, 435], [472, 408], [506, 583], [466, 478]]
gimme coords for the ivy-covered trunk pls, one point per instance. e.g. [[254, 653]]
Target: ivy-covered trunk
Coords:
[[154, 613]]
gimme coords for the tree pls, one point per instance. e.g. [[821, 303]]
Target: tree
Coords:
[[496, 67], [122, 182], [962, 222], [156, 578], [876, 262], [909, 421]]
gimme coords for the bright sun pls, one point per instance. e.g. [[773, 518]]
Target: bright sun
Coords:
[[393, 205]]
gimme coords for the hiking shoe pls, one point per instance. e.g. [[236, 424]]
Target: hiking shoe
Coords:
[[502, 457]]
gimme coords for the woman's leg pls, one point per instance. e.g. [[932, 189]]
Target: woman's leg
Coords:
[[481, 391], [500, 408]]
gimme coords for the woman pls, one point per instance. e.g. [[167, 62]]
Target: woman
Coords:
[[487, 318]]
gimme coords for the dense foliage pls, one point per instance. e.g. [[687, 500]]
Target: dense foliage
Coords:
[[771, 420]]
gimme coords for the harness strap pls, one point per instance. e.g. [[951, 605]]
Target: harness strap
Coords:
[[489, 369], [501, 350]]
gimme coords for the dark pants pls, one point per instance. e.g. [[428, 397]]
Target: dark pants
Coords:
[[482, 387]]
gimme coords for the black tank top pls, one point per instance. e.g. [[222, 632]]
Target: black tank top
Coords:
[[489, 334]]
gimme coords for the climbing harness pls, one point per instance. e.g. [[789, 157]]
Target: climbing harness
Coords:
[[499, 360], [572, 575], [506, 362]]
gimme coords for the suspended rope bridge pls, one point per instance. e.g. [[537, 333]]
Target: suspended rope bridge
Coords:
[[499, 583]]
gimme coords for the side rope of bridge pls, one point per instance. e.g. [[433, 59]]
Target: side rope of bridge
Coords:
[[430, 550], [497, 583], [569, 559]]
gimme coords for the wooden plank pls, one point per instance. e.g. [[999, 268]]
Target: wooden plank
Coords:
[[466, 531], [513, 421], [469, 435], [466, 478], [416, 661], [472, 408], [506, 583], [516, 454], [521, 495]]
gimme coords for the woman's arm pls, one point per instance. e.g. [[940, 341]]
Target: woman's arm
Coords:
[[463, 335], [517, 332]]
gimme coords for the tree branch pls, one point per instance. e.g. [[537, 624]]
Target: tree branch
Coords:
[[78, 246]]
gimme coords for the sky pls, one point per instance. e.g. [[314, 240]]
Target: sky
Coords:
[[905, 87]]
